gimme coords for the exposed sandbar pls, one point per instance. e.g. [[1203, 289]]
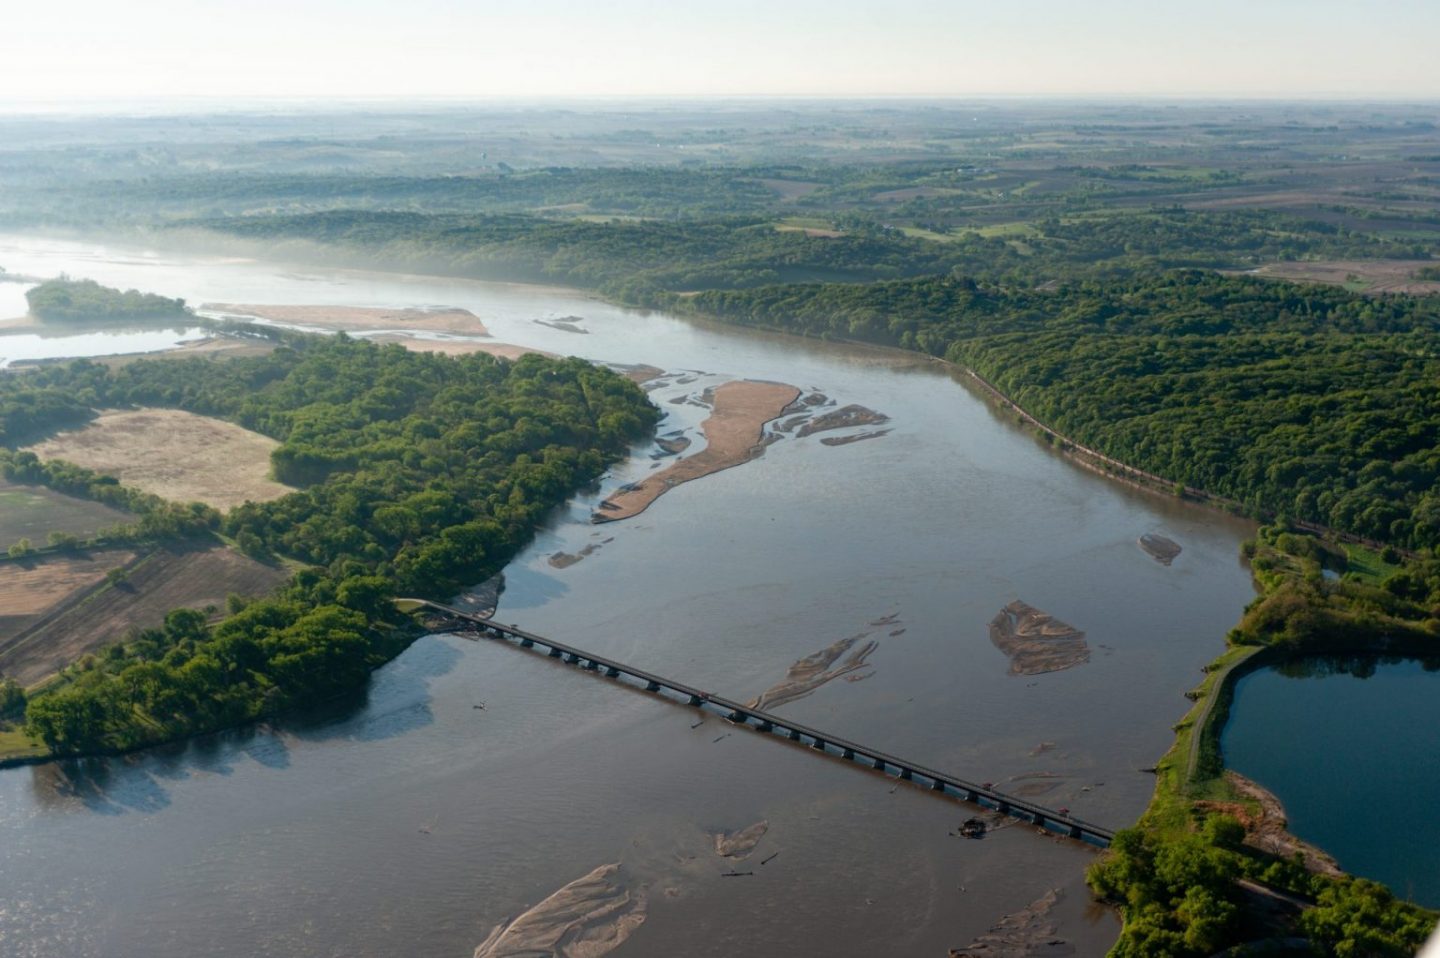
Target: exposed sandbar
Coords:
[[458, 347], [1020, 934], [733, 436], [443, 320], [1159, 548], [843, 418], [587, 918], [846, 440], [1036, 642], [813, 671], [740, 844]]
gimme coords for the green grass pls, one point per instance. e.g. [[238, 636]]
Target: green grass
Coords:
[[919, 233], [14, 743], [1007, 229], [1367, 565]]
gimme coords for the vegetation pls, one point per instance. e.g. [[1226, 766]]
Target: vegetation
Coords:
[[66, 300], [1302, 401], [1176, 873], [421, 473]]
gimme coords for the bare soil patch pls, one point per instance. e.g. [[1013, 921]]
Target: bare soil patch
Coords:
[[30, 587], [1379, 276], [1267, 826], [1035, 641], [733, 433], [446, 320], [33, 512], [169, 578], [175, 455]]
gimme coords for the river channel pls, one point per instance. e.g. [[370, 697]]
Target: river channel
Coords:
[[413, 822]]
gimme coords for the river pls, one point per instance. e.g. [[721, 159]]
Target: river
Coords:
[[413, 822]]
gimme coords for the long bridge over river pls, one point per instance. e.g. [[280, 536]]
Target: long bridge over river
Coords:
[[941, 783]]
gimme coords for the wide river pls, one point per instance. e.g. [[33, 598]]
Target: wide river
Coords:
[[413, 823]]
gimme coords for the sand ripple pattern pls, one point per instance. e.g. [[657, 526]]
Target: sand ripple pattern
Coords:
[[1035, 641], [587, 918], [813, 671]]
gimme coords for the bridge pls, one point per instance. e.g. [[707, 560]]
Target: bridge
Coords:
[[941, 783]]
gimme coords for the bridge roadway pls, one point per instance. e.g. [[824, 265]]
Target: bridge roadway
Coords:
[[984, 796]]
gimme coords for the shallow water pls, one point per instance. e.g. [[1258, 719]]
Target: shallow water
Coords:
[[414, 823], [69, 344], [1354, 756]]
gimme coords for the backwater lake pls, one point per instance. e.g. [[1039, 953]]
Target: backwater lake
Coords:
[[412, 822], [1353, 755]]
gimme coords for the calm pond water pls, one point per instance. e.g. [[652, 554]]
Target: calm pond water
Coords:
[[68, 344], [1354, 755], [412, 822]]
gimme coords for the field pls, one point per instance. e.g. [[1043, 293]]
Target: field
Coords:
[[1364, 276], [175, 455], [96, 613], [33, 512]]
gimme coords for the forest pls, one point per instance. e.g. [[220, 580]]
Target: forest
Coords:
[[419, 474], [635, 262], [1306, 402], [67, 300]]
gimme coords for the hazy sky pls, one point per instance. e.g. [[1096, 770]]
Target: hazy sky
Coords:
[[521, 48]]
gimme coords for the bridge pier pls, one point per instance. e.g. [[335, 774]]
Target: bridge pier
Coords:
[[1039, 820], [652, 686], [555, 653], [739, 716], [592, 666], [972, 796], [572, 658], [794, 735], [1002, 807], [819, 744], [905, 774], [1076, 832], [527, 643], [612, 672], [850, 754], [765, 726], [696, 700], [880, 764], [937, 785]]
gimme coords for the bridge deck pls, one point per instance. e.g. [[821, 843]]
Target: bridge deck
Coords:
[[942, 782]]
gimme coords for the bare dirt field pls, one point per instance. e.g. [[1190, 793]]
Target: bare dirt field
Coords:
[[732, 433], [33, 512], [458, 347], [1369, 276], [175, 455], [32, 586], [169, 578], [447, 320]]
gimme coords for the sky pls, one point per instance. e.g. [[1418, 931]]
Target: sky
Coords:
[[73, 50]]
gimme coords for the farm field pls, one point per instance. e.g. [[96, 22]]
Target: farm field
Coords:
[[169, 578], [174, 454], [33, 512]]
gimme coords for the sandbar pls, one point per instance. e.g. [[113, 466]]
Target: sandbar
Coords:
[[1035, 641], [440, 320], [733, 436], [458, 347]]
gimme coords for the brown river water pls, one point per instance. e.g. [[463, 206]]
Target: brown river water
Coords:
[[410, 822]]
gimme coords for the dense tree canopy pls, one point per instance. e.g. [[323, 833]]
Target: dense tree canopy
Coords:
[[84, 301], [419, 473]]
